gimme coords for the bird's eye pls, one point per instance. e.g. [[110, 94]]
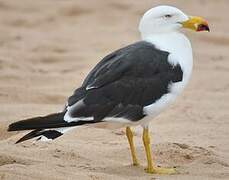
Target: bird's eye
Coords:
[[168, 16]]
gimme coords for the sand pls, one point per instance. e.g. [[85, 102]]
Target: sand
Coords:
[[47, 48]]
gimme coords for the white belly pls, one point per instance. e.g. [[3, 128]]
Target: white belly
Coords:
[[155, 108]]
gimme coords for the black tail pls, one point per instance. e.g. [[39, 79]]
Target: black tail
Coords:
[[44, 126], [50, 121], [49, 134]]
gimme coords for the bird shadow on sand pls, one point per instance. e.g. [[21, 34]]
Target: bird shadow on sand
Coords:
[[126, 170]]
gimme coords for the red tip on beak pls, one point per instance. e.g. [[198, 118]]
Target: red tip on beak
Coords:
[[203, 27]]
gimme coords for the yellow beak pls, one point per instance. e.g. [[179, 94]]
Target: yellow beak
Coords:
[[196, 23]]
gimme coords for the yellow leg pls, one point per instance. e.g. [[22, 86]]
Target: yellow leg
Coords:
[[129, 135], [151, 168]]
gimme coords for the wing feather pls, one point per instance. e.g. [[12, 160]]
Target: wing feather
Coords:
[[124, 82]]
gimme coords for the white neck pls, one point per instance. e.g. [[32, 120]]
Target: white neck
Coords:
[[179, 48]]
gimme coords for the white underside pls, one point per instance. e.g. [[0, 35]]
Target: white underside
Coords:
[[180, 51]]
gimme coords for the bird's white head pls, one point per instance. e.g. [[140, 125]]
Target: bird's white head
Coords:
[[164, 19]]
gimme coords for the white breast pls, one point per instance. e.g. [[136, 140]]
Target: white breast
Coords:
[[180, 51]]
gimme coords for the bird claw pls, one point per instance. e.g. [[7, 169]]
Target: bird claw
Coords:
[[135, 164], [159, 170]]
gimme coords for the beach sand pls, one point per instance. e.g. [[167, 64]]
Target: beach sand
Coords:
[[46, 50]]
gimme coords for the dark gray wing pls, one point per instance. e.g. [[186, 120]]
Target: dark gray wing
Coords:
[[110, 67], [124, 82]]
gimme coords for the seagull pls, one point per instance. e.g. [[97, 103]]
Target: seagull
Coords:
[[130, 86]]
